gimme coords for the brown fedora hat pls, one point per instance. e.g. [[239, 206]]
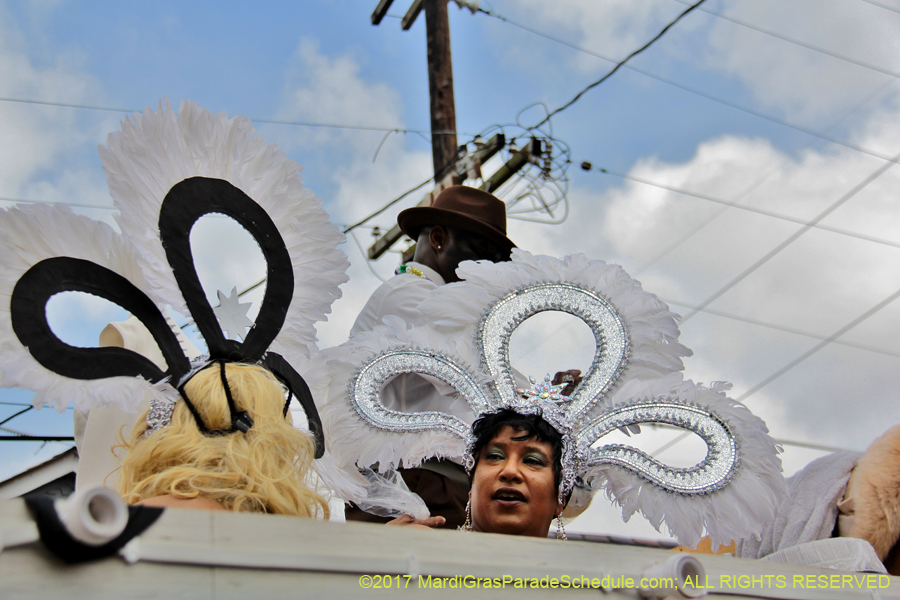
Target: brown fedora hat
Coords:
[[460, 206]]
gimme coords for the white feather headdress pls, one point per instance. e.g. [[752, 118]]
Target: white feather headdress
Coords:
[[635, 378], [162, 168]]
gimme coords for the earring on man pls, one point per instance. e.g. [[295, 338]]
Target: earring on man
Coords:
[[560, 529], [467, 526]]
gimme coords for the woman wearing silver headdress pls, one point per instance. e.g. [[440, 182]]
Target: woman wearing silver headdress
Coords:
[[635, 377]]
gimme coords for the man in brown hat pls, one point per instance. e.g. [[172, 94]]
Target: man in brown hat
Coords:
[[463, 223]]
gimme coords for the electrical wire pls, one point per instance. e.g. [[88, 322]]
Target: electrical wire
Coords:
[[701, 93], [793, 237], [819, 346], [797, 42], [365, 256], [72, 204], [21, 412], [759, 211], [621, 63], [773, 326], [795, 362], [388, 205], [882, 5], [754, 185], [422, 132]]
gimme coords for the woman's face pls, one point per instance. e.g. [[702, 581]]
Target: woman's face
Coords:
[[513, 488]]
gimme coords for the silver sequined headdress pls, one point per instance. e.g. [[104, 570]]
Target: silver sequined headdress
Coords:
[[635, 377]]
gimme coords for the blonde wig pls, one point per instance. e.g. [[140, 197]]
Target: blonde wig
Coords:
[[265, 469]]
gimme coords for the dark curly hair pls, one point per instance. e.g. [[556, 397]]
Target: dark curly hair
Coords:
[[489, 425]]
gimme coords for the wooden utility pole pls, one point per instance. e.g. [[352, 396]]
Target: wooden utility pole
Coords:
[[444, 148], [440, 86]]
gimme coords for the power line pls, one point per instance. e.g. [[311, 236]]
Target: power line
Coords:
[[834, 206], [796, 361], [8, 419], [809, 445], [797, 42], [882, 5], [36, 438], [753, 186], [270, 121], [775, 327], [819, 346], [618, 65], [701, 93], [759, 211], [22, 200], [388, 205], [23, 404]]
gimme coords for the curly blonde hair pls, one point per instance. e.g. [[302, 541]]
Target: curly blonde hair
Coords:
[[265, 469]]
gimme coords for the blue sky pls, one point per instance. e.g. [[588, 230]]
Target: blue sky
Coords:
[[322, 61]]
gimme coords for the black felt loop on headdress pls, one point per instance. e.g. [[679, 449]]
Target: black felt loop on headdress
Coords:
[[185, 203], [240, 420], [297, 386], [28, 314]]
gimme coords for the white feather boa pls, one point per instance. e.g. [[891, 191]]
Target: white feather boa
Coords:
[[28, 235], [156, 150]]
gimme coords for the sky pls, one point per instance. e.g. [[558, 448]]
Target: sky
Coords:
[[740, 168]]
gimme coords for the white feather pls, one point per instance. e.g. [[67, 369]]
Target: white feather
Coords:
[[156, 150], [28, 235], [740, 510], [350, 440]]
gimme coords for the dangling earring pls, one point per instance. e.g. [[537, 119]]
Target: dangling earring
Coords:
[[467, 526], [560, 529]]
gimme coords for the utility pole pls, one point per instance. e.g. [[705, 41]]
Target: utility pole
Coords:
[[444, 149], [440, 86]]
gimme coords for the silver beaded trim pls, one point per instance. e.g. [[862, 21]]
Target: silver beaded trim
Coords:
[[365, 391], [613, 345], [712, 474], [610, 359], [160, 413], [161, 408]]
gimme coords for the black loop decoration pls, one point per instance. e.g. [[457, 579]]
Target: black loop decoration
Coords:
[[185, 203], [28, 313], [298, 388]]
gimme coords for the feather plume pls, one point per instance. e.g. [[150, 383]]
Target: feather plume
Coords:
[[28, 235], [156, 150]]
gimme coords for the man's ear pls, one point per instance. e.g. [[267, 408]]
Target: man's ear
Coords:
[[438, 237]]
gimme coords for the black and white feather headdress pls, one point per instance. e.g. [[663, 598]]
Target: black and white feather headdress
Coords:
[[165, 172]]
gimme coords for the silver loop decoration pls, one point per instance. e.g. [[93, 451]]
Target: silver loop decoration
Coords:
[[713, 473], [613, 345], [365, 391]]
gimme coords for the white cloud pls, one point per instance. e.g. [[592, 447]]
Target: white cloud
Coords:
[[334, 89], [327, 89], [613, 28], [818, 284], [802, 83]]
